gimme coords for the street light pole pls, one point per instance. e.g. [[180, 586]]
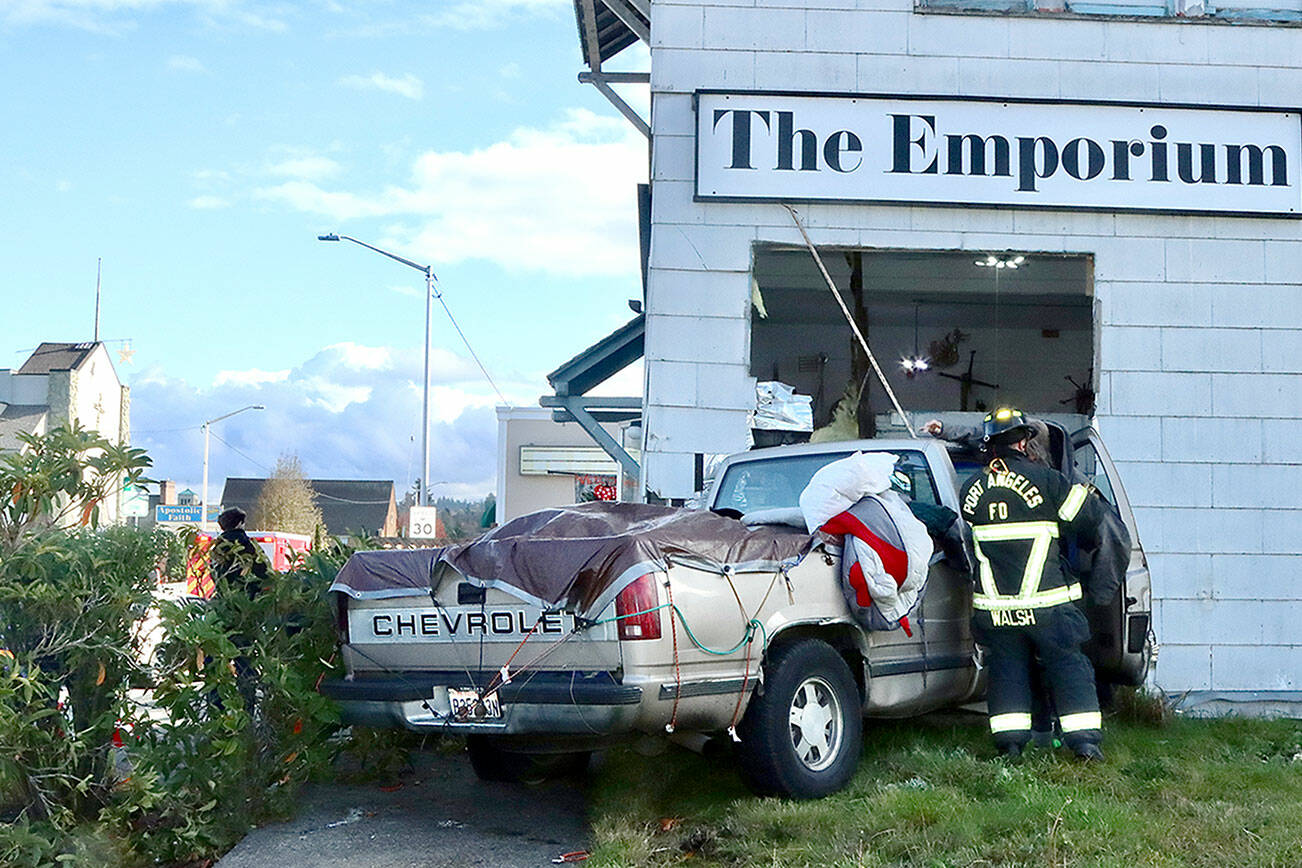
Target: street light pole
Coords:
[[429, 296], [203, 495]]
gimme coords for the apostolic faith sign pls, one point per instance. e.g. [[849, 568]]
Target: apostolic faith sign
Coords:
[[957, 151]]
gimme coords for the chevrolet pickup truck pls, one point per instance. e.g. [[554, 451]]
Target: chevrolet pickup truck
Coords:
[[563, 630]]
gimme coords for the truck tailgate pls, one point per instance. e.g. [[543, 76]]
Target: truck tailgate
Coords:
[[412, 634]]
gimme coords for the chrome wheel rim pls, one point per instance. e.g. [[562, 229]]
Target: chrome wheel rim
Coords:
[[815, 724]]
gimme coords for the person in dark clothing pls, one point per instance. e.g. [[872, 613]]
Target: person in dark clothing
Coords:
[[234, 560], [1021, 512], [1101, 571], [238, 566]]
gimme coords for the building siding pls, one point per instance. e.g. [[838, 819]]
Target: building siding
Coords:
[[1200, 317]]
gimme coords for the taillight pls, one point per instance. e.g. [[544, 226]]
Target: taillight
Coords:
[[636, 608]]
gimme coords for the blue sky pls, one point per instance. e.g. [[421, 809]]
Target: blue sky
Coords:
[[200, 146]]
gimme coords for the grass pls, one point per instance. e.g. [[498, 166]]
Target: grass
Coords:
[[929, 792]]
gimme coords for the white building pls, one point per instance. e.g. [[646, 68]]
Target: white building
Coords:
[[1144, 162], [62, 383], [543, 463]]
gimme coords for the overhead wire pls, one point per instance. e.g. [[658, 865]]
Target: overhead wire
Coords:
[[346, 500], [240, 453], [854, 326], [439, 295]]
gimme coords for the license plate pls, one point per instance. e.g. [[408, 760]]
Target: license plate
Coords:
[[466, 705]]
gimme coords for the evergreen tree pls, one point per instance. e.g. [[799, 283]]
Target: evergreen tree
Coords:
[[286, 502]]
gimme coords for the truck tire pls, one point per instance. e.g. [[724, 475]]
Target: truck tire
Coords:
[[801, 736], [494, 763]]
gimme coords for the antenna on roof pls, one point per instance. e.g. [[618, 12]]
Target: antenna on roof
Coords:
[[99, 271]]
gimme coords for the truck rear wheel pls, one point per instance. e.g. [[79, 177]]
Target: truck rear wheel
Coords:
[[802, 735], [494, 763]]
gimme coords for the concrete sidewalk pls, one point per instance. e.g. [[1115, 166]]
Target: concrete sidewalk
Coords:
[[442, 816]]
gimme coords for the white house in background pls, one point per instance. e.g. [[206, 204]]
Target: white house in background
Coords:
[[60, 383]]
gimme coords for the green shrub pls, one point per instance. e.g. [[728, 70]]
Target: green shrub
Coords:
[[70, 603], [244, 724], [107, 758]]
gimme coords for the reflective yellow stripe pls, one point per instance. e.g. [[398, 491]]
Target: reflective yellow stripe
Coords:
[[987, 574], [1040, 533], [1010, 722], [1014, 530], [1040, 600], [1075, 500], [1083, 720], [1034, 570]]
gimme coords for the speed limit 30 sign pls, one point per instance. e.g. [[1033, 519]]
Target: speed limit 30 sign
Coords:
[[423, 522]]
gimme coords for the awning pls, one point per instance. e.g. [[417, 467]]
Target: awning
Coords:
[[605, 32], [595, 365]]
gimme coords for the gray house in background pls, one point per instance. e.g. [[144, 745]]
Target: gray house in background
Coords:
[[350, 507]]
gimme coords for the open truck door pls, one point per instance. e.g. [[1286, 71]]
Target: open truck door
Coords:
[[1122, 645]]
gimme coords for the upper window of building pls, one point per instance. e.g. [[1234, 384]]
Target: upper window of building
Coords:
[[1280, 11]]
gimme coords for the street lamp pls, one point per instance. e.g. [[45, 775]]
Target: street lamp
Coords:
[[203, 496], [429, 294]]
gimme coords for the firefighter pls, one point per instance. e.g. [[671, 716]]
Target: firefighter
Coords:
[[1021, 512]]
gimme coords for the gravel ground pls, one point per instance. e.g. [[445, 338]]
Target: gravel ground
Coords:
[[441, 816]]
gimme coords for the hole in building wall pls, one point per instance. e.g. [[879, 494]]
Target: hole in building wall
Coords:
[[955, 331]]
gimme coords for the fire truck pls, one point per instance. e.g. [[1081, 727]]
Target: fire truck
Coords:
[[281, 549]]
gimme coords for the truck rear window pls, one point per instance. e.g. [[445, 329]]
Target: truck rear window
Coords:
[[776, 482]]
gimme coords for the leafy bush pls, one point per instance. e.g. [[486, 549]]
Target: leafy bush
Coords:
[[60, 479], [108, 757], [70, 608], [244, 724]]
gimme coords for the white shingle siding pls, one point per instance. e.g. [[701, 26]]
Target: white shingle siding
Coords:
[[1200, 317]]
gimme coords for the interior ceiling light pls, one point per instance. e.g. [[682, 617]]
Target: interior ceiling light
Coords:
[[1007, 261], [917, 362]]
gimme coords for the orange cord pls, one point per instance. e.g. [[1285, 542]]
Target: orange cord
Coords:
[[678, 678], [745, 680]]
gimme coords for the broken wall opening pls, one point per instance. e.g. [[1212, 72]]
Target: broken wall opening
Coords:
[[989, 328]]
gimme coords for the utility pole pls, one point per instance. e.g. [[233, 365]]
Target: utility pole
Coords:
[[99, 273]]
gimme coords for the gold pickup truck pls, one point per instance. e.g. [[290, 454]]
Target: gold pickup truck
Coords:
[[563, 630]]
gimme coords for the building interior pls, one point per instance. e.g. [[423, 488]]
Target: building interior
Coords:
[[954, 331]]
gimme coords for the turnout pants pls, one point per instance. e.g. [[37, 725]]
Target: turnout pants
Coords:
[[1055, 637]]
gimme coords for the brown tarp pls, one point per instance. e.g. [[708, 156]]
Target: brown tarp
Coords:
[[580, 556]]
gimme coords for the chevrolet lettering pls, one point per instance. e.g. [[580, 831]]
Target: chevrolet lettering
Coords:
[[456, 623]]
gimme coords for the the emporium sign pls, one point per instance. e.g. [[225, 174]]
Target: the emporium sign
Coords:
[[998, 152]]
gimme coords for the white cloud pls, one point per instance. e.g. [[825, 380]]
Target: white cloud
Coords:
[[208, 203], [510, 70], [483, 14], [350, 411], [405, 85], [185, 63], [250, 377], [560, 199]]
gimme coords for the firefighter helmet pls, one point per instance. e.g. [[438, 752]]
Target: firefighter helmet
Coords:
[[1006, 425]]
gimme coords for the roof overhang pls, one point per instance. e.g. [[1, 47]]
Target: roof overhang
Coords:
[[601, 361], [595, 365], [607, 27]]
